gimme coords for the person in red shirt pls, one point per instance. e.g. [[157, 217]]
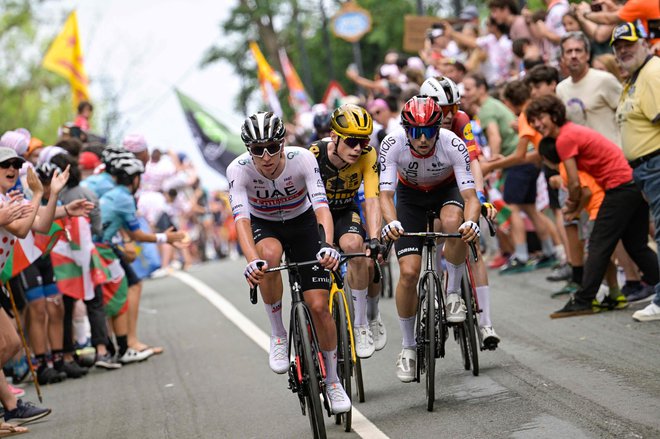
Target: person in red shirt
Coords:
[[624, 214]]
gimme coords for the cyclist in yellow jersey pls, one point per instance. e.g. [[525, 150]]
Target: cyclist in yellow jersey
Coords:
[[345, 161]]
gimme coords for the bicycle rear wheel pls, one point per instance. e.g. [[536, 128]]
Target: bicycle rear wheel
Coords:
[[344, 357], [311, 373], [471, 325], [460, 332]]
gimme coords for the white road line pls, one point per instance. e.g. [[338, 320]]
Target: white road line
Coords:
[[361, 425]]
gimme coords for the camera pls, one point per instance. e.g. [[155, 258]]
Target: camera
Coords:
[[434, 33], [596, 7]]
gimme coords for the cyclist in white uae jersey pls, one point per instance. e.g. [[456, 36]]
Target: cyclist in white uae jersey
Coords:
[[433, 167], [277, 196]]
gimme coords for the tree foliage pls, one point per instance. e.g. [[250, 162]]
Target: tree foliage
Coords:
[[31, 96], [271, 23]]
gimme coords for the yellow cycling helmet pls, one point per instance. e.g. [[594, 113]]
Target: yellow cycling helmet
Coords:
[[351, 120]]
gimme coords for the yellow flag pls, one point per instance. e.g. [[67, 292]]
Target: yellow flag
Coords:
[[264, 70], [65, 58]]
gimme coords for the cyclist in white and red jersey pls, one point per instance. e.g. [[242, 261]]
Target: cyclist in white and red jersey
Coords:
[[446, 93], [432, 166], [278, 198]]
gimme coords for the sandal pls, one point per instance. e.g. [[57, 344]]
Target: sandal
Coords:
[[7, 430]]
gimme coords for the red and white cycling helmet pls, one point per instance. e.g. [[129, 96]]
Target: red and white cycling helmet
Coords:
[[421, 111]]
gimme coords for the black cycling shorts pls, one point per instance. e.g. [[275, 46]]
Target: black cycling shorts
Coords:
[[38, 279], [411, 208], [300, 239], [347, 221]]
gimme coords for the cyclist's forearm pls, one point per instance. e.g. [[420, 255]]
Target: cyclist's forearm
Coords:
[[472, 208], [246, 239], [387, 206], [475, 167], [324, 218], [373, 217]]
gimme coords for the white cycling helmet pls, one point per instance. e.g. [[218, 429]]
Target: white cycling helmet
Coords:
[[129, 166], [443, 89]]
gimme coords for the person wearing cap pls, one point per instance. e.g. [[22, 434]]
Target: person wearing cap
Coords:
[[470, 14], [638, 115], [137, 144], [609, 12], [88, 162]]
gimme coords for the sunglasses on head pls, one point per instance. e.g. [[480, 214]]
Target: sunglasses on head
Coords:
[[352, 142], [261, 150], [429, 132], [16, 164]]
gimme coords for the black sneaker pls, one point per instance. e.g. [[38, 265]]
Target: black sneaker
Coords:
[[48, 375], [25, 412], [641, 294], [72, 370], [630, 288], [574, 308], [107, 362]]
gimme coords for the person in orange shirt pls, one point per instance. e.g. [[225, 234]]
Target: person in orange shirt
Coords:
[[590, 202], [646, 11]]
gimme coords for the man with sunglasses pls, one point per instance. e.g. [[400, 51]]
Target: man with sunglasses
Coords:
[[446, 93], [433, 167], [346, 161], [278, 199]]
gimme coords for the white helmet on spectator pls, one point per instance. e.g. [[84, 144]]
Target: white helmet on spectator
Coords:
[[443, 89]]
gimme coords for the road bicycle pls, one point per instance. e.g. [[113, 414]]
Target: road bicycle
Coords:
[[468, 335], [431, 325], [307, 368]]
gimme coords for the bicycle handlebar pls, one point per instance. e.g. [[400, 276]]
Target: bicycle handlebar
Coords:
[[434, 235]]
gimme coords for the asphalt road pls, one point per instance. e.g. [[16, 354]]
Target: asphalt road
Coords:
[[583, 377]]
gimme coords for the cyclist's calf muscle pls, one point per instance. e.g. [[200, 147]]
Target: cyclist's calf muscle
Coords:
[[406, 290]]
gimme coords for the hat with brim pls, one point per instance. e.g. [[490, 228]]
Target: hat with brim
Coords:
[[8, 154], [628, 32], [470, 12]]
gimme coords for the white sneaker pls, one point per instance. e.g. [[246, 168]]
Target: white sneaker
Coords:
[[132, 356], [378, 332], [364, 342], [456, 309], [339, 400], [158, 273], [489, 337], [406, 365], [648, 314], [278, 358]]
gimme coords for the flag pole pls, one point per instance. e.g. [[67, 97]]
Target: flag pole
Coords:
[[25, 346]]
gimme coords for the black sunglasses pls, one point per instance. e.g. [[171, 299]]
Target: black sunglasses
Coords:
[[271, 149], [352, 142], [16, 164]]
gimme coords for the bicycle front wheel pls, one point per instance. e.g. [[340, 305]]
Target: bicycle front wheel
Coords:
[[311, 372], [344, 356], [430, 340], [471, 325]]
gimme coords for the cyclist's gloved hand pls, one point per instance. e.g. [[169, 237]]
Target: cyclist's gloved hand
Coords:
[[489, 211], [469, 230], [254, 271], [374, 247], [392, 231], [328, 257]]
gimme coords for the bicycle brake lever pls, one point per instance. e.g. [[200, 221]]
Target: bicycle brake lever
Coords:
[[473, 247]]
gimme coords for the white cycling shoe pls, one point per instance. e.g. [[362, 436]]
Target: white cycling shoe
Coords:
[[278, 357], [378, 333], [489, 337], [364, 342], [456, 309], [338, 399], [406, 365]]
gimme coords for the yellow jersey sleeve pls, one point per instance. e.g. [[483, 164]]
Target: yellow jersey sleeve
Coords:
[[369, 160]]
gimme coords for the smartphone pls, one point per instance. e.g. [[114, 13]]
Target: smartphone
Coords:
[[596, 7]]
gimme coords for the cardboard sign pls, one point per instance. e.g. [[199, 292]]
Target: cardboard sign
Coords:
[[414, 31]]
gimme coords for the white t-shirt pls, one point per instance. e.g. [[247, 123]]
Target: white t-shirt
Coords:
[[500, 56], [592, 102]]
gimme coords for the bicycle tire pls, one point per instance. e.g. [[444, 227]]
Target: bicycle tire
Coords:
[[430, 340], [344, 356], [462, 340], [311, 373], [471, 325], [386, 280]]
